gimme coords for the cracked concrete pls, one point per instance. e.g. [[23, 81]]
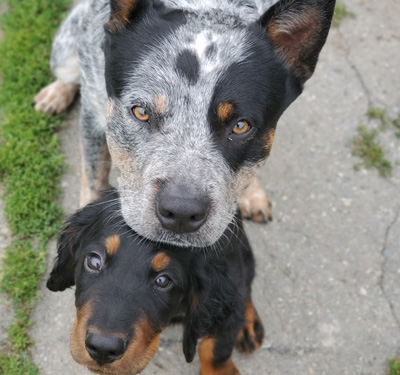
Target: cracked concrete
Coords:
[[328, 266], [386, 254]]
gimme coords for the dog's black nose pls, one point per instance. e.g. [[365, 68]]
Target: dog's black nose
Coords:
[[104, 348], [181, 211]]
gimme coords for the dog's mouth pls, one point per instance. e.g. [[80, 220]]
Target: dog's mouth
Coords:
[[136, 356]]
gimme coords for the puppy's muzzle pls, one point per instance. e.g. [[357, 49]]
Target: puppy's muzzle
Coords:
[[104, 348], [181, 211]]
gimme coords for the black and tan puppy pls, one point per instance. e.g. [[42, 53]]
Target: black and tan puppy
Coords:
[[128, 289]]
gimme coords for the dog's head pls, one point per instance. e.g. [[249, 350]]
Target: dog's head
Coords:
[[194, 97], [128, 289]]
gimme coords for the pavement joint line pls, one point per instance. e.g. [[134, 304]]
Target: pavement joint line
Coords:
[[345, 47], [383, 267]]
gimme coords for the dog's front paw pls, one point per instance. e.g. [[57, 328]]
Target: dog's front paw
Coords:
[[251, 335], [254, 203], [56, 97], [228, 368]]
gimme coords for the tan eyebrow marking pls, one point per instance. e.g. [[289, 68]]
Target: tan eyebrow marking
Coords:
[[160, 261], [112, 244], [160, 104], [225, 111]]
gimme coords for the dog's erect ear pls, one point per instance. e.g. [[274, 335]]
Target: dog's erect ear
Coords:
[[121, 11], [298, 30]]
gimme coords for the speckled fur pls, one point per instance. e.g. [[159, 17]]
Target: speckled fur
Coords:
[[182, 149]]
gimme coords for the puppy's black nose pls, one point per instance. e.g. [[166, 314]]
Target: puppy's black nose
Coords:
[[104, 348], [181, 211]]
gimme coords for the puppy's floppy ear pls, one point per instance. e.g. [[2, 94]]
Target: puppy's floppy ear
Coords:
[[214, 304], [121, 12], [298, 30], [196, 313], [62, 274], [79, 228]]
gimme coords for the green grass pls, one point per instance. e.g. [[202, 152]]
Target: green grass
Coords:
[[30, 164], [368, 149], [340, 14], [17, 365], [394, 367]]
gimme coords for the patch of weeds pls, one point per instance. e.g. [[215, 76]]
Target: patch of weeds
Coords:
[[381, 115], [378, 114], [340, 14], [17, 365], [30, 165], [394, 367], [396, 124], [367, 148]]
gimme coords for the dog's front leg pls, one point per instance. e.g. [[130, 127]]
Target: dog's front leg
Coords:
[[96, 160], [215, 355], [254, 203]]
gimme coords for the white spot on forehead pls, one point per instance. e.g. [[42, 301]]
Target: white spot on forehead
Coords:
[[201, 43]]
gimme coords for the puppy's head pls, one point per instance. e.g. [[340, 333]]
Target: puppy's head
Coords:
[[194, 98], [128, 289]]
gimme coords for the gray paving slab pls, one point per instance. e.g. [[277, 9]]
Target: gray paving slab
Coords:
[[328, 266]]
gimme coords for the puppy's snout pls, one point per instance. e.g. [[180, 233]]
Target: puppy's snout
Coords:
[[181, 211], [104, 348]]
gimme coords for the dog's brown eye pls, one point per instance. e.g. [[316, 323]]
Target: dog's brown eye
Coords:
[[140, 113], [93, 262], [241, 127], [162, 281]]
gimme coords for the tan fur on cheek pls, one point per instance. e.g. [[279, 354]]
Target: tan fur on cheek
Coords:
[[78, 335], [141, 349], [121, 158], [269, 140], [110, 110]]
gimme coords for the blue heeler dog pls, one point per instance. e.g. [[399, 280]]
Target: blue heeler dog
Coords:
[[185, 96]]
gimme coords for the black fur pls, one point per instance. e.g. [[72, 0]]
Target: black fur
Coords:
[[209, 289]]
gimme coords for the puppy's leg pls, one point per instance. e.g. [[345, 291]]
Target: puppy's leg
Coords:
[[96, 160], [64, 63], [254, 203], [215, 355], [251, 335]]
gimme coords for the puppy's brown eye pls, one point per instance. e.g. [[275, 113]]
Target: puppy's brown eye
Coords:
[[241, 127], [93, 262], [140, 113], [162, 281]]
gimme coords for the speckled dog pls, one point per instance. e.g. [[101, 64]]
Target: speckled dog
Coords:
[[186, 94]]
